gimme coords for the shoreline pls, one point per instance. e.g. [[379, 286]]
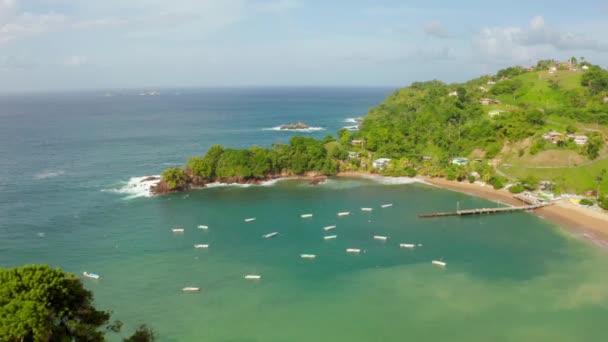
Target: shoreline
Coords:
[[582, 222]]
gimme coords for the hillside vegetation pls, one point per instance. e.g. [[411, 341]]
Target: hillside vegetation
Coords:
[[492, 120]]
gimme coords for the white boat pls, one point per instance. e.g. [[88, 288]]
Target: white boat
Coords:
[[407, 245], [191, 289], [419, 245], [177, 230], [307, 256], [367, 209], [329, 228], [380, 237], [439, 263], [269, 235], [387, 205], [91, 275], [306, 215], [253, 277], [353, 250], [201, 246], [344, 213], [250, 219], [330, 237], [203, 227]]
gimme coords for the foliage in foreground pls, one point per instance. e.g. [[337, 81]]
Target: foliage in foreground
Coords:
[[38, 303]]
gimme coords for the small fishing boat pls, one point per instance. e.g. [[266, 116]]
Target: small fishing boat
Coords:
[[250, 219], [344, 213], [306, 215], [387, 205], [269, 235], [329, 228], [203, 227], [201, 246], [439, 263], [367, 209], [330, 237], [353, 250], [380, 237], [191, 289], [307, 256], [407, 245], [177, 230], [253, 277], [91, 275]]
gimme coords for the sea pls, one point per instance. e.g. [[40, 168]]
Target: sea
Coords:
[[70, 196]]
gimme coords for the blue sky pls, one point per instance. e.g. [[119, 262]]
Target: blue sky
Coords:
[[82, 44]]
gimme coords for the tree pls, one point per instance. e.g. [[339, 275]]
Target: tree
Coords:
[[175, 177], [38, 303], [142, 334], [594, 145], [595, 79], [599, 179]]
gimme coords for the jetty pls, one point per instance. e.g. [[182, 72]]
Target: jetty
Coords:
[[485, 210]]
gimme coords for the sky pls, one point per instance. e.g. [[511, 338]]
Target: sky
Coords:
[[55, 45]]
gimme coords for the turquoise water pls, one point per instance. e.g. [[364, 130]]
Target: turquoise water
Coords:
[[508, 277]]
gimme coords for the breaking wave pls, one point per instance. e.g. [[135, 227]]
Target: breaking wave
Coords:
[[307, 130], [48, 174], [136, 187]]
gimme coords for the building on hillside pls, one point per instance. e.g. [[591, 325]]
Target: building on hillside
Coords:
[[578, 139], [491, 83], [474, 175], [426, 158], [453, 93], [353, 155], [552, 136], [546, 185], [552, 69], [357, 142], [380, 163], [529, 68], [483, 89], [485, 102], [459, 161], [585, 67], [605, 99]]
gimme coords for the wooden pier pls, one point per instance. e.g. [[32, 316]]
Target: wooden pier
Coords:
[[485, 210]]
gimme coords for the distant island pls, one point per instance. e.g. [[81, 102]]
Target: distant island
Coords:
[[528, 128], [297, 126]]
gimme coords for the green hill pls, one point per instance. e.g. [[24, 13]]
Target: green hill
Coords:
[[496, 121]]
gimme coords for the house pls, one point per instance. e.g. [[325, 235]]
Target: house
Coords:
[[546, 185], [552, 69], [529, 68], [353, 155], [357, 142], [426, 158], [605, 99], [380, 163], [459, 161], [453, 93], [553, 137], [585, 67], [474, 175], [491, 83], [483, 89], [485, 102], [580, 140]]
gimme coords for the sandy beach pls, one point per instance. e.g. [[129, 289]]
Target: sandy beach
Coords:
[[583, 222]]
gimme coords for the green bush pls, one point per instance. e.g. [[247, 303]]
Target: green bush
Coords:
[[586, 201], [603, 202], [516, 189], [497, 182]]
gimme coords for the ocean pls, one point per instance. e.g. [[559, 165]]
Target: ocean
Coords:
[[69, 163]]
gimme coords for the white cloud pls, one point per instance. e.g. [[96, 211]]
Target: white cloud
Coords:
[[436, 29], [28, 24], [537, 40], [75, 61]]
